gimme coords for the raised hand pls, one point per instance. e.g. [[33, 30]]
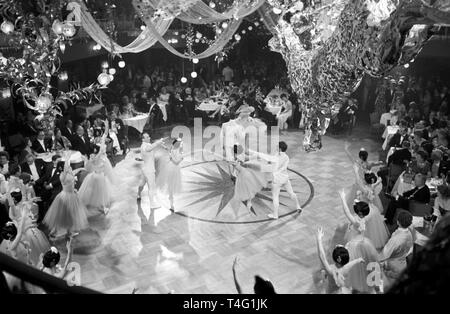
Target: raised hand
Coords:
[[342, 194], [320, 233], [235, 262]]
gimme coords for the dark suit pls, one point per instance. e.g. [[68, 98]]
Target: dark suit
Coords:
[[84, 147], [50, 177], [421, 195], [155, 116], [38, 148], [4, 217], [67, 133], [399, 156], [397, 140], [40, 168]]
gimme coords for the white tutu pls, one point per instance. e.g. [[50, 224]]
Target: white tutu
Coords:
[[249, 183], [376, 229], [360, 247], [168, 177], [36, 239], [66, 212], [96, 191]]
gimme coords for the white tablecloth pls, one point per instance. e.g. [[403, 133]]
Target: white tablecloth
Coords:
[[75, 156], [209, 105], [137, 122]]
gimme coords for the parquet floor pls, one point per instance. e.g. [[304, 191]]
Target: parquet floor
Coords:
[[159, 252]]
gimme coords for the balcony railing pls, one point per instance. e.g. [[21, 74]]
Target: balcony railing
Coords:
[[38, 278]]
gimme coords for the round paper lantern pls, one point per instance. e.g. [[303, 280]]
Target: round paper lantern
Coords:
[[111, 77], [183, 80], [121, 64], [194, 74], [44, 102], [143, 27], [195, 60], [406, 65], [104, 79], [57, 27], [7, 27], [69, 30], [63, 76], [224, 25], [237, 37], [112, 71]]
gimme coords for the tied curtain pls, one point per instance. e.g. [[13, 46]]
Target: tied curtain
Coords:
[[198, 13]]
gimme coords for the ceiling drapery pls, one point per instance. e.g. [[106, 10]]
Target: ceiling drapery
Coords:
[[198, 13]]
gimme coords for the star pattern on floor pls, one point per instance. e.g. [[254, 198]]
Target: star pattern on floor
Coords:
[[221, 184]]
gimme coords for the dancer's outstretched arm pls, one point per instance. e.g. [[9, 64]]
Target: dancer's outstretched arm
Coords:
[[321, 251], [63, 273], [347, 212], [236, 282], [21, 225], [347, 267], [155, 145]]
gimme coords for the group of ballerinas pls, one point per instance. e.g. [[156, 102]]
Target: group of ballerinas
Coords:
[[160, 168], [365, 238], [68, 213], [66, 216]]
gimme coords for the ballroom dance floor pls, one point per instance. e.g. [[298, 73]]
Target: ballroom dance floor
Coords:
[[192, 251]]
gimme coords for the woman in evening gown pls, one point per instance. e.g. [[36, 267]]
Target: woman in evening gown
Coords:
[[168, 179], [66, 213], [96, 191]]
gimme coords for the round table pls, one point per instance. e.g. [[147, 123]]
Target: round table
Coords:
[[137, 122]]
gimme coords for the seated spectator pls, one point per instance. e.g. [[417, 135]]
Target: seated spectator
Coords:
[[390, 117], [40, 145], [421, 165], [27, 150], [61, 142], [420, 194], [399, 137], [67, 130], [439, 167], [441, 206]]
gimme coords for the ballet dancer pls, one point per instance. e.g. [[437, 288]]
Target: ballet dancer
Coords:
[[280, 178], [168, 179], [148, 169]]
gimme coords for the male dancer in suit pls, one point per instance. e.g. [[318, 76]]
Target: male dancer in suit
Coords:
[[280, 178], [148, 157]]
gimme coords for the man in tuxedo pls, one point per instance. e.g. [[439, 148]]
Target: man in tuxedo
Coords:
[[398, 138], [155, 113], [51, 185], [80, 142], [420, 194], [35, 168], [67, 130], [39, 145], [396, 163], [5, 164]]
